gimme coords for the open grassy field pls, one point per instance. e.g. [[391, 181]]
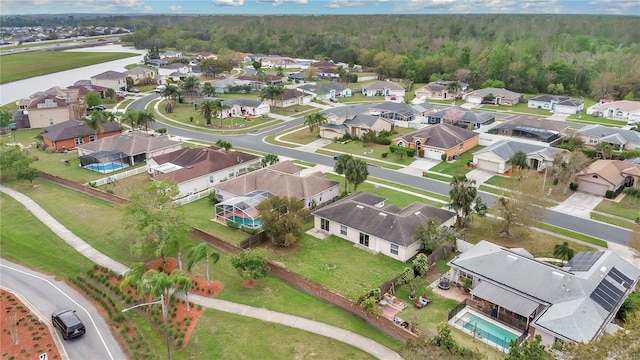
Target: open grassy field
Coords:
[[24, 66], [627, 207]]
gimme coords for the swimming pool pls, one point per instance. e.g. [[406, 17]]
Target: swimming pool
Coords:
[[105, 168], [248, 222], [485, 328]]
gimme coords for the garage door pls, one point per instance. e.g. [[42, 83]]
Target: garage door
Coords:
[[433, 154], [474, 99], [488, 165], [592, 188]]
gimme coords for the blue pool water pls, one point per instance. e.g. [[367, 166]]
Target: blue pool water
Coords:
[[488, 330], [105, 168], [245, 221]]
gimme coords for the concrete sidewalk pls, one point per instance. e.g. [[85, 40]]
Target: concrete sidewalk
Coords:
[[378, 350]]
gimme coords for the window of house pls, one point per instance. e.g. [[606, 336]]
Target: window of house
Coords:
[[210, 179], [394, 249], [343, 230], [461, 146], [92, 138], [324, 224], [364, 239], [50, 121], [230, 175], [79, 141]]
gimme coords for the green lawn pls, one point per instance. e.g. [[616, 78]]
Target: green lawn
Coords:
[[295, 111], [23, 66], [457, 167], [590, 119], [628, 207], [356, 147], [302, 136]]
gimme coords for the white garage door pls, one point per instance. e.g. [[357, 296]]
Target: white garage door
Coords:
[[592, 188], [488, 165], [474, 99], [433, 154]]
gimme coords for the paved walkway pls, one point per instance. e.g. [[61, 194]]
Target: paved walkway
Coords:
[[378, 350], [579, 204]]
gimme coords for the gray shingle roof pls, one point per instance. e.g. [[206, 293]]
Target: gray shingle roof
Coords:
[[109, 75], [131, 143], [72, 129], [358, 212], [324, 87], [568, 309], [442, 136], [505, 149], [600, 131], [497, 92]]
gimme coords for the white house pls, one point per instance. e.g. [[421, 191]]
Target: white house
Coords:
[[494, 96], [619, 110], [495, 157], [558, 104], [110, 79], [364, 220], [383, 88]]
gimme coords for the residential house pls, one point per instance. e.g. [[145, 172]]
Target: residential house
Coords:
[[461, 117], [244, 108], [273, 62], [383, 88], [494, 96], [136, 146], [555, 103], [325, 91], [291, 97], [401, 111], [156, 62], [325, 69], [577, 302], [110, 79], [439, 141], [364, 220], [48, 110], [619, 139], [620, 110], [440, 90], [197, 169], [258, 84], [355, 126], [531, 127], [496, 156], [171, 55], [71, 133], [609, 175], [205, 55], [176, 70], [232, 85], [281, 179], [140, 74]]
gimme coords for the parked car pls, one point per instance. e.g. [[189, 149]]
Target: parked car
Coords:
[[160, 89], [68, 323], [120, 97], [334, 100], [134, 90], [96, 108]]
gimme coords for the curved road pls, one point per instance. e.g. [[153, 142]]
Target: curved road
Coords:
[[45, 295], [256, 141]]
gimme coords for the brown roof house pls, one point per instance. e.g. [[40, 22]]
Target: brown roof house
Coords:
[[440, 140], [198, 169], [534, 128], [71, 133], [609, 175], [494, 96], [240, 196], [135, 147], [364, 220]]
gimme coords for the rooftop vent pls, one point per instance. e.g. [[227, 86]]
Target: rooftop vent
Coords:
[[360, 206], [382, 214]]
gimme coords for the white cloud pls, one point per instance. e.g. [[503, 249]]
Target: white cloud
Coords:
[[280, 2], [336, 4], [228, 2], [175, 8], [487, 6]]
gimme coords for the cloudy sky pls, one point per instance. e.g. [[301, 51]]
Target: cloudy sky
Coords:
[[318, 7]]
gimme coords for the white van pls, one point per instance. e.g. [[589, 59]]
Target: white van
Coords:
[[160, 89]]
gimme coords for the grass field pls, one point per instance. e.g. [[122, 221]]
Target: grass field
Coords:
[[24, 66]]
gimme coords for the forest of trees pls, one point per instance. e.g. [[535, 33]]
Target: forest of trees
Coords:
[[578, 55]]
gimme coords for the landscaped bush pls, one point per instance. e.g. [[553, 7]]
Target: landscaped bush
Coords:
[[610, 194], [408, 151], [384, 155], [573, 186]]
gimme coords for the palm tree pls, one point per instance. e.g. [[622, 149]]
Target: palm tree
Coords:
[[224, 144], [269, 159], [201, 252], [463, 193], [146, 118], [341, 165], [453, 87], [110, 93], [130, 117], [218, 105], [95, 122], [190, 86], [182, 283], [133, 276], [563, 251], [315, 120], [356, 172], [271, 92], [209, 90], [206, 109], [170, 93], [129, 81]]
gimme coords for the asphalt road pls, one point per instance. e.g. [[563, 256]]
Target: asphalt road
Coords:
[[46, 295], [255, 141]]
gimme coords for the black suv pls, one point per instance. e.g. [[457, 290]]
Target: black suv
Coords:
[[68, 323]]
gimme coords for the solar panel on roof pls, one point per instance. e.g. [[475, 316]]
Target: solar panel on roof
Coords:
[[608, 293], [584, 260], [621, 278]]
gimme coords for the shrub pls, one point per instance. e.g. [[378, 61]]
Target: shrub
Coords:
[[421, 153], [443, 157], [384, 155], [573, 186], [610, 194]]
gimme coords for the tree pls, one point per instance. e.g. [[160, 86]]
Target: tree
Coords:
[[29, 173], [190, 86], [218, 106], [269, 159], [201, 252], [605, 149], [433, 236], [271, 92], [341, 166], [5, 120], [420, 265], [356, 172], [13, 161], [209, 90], [519, 160], [129, 81], [453, 87], [310, 74], [313, 121], [465, 200], [563, 251], [206, 110], [528, 350], [283, 219], [170, 93], [110, 93], [130, 117], [224, 144], [250, 264], [452, 116], [94, 121], [133, 276], [522, 202], [182, 284], [566, 166], [145, 118], [92, 99], [155, 219]]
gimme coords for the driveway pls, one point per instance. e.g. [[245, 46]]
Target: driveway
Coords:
[[579, 204]]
